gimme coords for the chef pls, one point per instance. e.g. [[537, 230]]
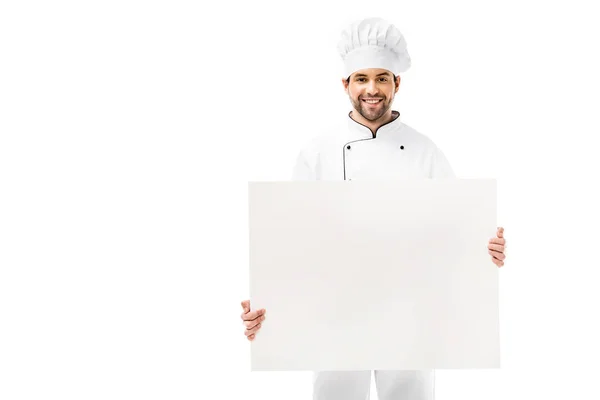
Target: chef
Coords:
[[371, 142]]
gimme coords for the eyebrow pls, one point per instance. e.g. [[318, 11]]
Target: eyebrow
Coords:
[[383, 73]]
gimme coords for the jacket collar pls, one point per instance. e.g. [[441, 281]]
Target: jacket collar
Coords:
[[360, 131]]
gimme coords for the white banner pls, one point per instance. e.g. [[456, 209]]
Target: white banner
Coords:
[[374, 275]]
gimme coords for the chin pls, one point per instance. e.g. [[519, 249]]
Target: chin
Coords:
[[372, 117]]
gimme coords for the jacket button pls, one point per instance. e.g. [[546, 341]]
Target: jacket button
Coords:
[[348, 147], [401, 147]]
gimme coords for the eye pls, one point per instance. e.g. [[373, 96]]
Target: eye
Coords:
[[383, 79], [360, 79]]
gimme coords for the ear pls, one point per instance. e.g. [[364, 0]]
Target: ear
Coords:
[[345, 83], [397, 79]]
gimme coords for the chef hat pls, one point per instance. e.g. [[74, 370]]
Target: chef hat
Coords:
[[373, 43]]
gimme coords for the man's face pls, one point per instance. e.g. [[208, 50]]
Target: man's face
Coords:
[[371, 92]]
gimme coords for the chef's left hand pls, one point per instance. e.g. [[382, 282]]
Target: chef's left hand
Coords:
[[496, 247]]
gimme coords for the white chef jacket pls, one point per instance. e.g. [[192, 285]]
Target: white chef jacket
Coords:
[[350, 152]]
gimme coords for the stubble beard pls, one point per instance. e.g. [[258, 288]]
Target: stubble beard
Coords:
[[371, 115]]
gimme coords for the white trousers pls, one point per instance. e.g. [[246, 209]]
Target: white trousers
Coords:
[[390, 385]]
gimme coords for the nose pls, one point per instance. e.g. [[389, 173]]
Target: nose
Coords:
[[372, 88]]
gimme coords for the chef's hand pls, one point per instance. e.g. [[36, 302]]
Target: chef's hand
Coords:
[[496, 248], [252, 320]]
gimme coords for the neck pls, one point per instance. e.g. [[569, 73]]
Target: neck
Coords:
[[373, 125]]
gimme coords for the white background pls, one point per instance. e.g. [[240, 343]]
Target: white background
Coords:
[[129, 131]]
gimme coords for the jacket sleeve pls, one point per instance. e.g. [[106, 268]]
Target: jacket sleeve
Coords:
[[303, 170], [440, 167]]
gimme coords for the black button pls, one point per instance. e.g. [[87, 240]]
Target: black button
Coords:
[[348, 147], [401, 147]]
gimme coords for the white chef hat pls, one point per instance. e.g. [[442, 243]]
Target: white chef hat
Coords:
[[373, 43]]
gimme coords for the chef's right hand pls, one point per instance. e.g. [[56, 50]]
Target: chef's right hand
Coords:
[[252, 320]]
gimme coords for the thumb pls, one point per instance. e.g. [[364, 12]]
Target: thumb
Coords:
[[246, 305], [500, 232]]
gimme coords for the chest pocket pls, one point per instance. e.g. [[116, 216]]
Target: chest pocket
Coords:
[[384, 159]]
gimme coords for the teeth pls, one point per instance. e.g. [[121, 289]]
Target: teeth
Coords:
[[372, 101]]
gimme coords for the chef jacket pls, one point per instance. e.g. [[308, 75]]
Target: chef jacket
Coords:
[[351, 152]]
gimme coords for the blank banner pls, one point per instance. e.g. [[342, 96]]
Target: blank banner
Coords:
[[374, 275]]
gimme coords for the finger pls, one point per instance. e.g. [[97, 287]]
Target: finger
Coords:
[[250, 324], [253, 330], [251, 316], [500, 232], [497, 262], [247, 315], [497, 255], [496, 247], [253, 322], [251, 337], [501, 241]]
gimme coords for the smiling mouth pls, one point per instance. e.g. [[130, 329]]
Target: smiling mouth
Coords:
[[372, 101]]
